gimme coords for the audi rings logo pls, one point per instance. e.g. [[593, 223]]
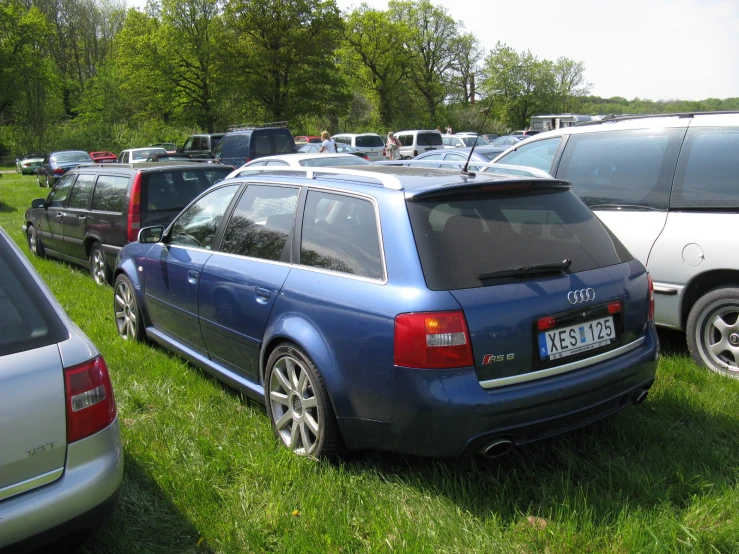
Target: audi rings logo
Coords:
[[580, 296]]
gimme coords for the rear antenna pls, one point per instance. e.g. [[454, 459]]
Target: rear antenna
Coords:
[[482, 126]]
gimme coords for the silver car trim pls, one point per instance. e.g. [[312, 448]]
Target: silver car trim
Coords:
[[665, 289], [515, 379], [31, 483]]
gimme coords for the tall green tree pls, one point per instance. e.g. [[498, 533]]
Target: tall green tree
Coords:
[[286, 56], [373, 54], [431, 48], [171, 60]]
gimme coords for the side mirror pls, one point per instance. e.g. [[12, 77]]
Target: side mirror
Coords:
[[38, 203], [151, 234]]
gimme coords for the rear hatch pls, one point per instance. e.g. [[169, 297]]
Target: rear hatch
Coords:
[[541, 281], [372, 145], [32, 401], [165, 192], [429, 140]]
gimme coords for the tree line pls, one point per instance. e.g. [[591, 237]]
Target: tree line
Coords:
[[94, 74]]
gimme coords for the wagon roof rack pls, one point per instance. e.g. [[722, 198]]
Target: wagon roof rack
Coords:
[[624, 117], [247, 126]]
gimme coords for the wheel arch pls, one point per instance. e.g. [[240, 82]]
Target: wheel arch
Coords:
[[701, 284], [295, 328]]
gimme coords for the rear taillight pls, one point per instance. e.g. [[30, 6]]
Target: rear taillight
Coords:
[[58, 171], [384, 153], [432, 340], [89, 399], [650, 312], [415, 153], [365, 156], [134, 209]]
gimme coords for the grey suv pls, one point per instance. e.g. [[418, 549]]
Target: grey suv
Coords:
[[61, 458], [668, 187]]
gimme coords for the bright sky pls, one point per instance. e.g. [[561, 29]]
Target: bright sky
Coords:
[[650, 49]]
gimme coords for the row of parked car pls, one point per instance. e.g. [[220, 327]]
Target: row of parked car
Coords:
[[419, 310]]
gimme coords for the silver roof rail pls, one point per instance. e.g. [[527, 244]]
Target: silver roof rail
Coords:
[[387, 181], [498, 168], [246, 126]]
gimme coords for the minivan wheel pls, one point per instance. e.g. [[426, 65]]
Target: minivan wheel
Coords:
[[713, 331], [127, 313], [98, 265], [298, 405], [34, 244]]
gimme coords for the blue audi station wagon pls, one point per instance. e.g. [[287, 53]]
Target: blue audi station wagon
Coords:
[[403, 309]]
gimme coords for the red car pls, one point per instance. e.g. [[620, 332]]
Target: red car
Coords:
[[103, 157], [307, 138]]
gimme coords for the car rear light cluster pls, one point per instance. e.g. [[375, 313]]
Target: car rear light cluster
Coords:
[[432, 340], [89, 399], [134, 209], [58, 171], [549, 322], [650, 312]]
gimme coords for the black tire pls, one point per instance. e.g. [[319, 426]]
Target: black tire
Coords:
[[99, 269], [126, 311], [298, 405], [38, 180], [713, 331], [34, 243]]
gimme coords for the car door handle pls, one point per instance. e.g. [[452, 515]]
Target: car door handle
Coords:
[[60, 215], [82, 217], [262, 295], [192, 277]]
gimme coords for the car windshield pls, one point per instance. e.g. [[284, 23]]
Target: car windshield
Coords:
[[334, 161], [71, 157], [33, 155], [144, 154]]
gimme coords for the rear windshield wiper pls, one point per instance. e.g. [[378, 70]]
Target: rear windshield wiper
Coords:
[[634, 207], [528, 270]]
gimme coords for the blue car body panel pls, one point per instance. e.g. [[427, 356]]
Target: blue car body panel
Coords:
[[226, 313]]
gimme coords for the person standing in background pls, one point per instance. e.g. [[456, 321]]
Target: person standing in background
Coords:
[[392, 145], [449, 130], [328, 145]]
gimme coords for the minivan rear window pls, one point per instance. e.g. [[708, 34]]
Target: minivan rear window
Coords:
[[430, 139], [460, 237], [370, 141]]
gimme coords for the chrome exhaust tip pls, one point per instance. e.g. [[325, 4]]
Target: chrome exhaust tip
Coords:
[[640, 397], [496, 448]]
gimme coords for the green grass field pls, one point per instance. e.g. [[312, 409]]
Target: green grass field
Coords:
[[205, 474]]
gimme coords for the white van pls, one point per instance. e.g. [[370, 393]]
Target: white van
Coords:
[[370, 144], [415, 143]]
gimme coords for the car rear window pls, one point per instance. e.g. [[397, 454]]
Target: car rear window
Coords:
[[461, 236], [28, 320], [369, 142], [173, 190], [110, 193], [430, 139]]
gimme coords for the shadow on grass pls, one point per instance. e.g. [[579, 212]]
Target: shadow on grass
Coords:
[[5, 209], [145, 521], [665, 452], [672, 342]]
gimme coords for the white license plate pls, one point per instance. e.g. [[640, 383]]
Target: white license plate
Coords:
[[374, 153], [568, 341]]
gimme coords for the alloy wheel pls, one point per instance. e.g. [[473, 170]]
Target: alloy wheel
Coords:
[[721, 338], [294, 406], [126, 312], [97, 262]]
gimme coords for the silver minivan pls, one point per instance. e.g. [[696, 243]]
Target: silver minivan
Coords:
[[61, 458], [415, 143], [370, 144], [668, 188]]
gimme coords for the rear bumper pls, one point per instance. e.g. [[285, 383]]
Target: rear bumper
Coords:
[[80, 501], [448, 413]]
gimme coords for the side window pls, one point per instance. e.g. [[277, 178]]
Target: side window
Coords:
[[340, 233], [434, 156], [110, 193], [276, 162], [58, 196], [537, 154], [188, 144], [197, 225], [616, 168], [262, 223], [262, 145], [405, 140], [82, 191], [708, 172]]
